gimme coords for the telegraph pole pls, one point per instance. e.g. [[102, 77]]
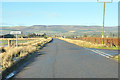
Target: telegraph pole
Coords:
[[103, 16], [103, 21]]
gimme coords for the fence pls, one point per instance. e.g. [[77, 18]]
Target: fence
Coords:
[[10, 39]]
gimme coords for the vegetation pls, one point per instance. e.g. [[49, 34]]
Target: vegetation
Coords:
[[65, 30], [117, 58], [5, 42], [30, 35], [108, 42], [45, 36], [33, 35], [93, 45], [9, 55], [86, 44], [84, 35]]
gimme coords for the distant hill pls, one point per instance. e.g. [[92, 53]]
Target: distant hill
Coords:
[[56, 29]]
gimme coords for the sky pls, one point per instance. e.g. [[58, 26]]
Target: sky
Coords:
[[58, 13], [55, 0]]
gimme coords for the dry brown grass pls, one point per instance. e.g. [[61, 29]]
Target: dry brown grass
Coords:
[[117, 58], [82, 43], [11, 53]]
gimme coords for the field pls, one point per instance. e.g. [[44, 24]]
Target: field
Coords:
[[5, 42], [9, 55]]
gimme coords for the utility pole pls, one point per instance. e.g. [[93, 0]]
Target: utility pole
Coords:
[[103, 16]]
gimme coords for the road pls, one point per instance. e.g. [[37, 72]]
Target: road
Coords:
[[60, 59]]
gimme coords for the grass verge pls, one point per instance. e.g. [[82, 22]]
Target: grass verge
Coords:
[[117, 58], [10, 55], [89, 44]]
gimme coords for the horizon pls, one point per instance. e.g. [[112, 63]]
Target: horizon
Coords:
[[61, 25]]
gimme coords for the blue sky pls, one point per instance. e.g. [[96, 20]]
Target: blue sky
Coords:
[[58, 13]]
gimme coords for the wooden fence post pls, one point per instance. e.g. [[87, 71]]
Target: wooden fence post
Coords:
[[9, 43]]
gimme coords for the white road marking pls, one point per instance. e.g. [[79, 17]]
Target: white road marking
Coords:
[[10, 75], [105, 53], [101, 53]]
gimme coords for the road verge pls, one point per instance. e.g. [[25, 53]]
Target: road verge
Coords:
[[14, 57]]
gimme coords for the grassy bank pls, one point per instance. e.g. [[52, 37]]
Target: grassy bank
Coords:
[[89, 44], [9, 55]]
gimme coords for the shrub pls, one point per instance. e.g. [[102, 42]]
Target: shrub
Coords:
[[45, 36], [2, 50]]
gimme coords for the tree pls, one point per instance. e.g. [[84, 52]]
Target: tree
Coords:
[[45, 36], [29, 35], [85, 35]]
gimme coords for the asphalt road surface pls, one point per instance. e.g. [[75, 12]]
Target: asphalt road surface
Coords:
[[60, 59]]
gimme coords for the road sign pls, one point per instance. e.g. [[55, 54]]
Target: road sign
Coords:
[[15, 32]]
